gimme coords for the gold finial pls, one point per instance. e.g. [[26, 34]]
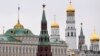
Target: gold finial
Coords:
[[18, 12], [70, 7], [54, 23], [18, 25], [18, 21]]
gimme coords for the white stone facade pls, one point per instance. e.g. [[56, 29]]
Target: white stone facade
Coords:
[[29, 48], [94, 46], [59, 50], [55, 35], [14, 49], [70, 33]]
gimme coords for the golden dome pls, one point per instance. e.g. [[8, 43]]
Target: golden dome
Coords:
[[70, 8], [94, 37], [18, 26], [54, 25]]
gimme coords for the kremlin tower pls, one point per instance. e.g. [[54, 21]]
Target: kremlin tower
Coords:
[[70, 31], [94, 42], [55, 31], [44, 47], [81, 39]]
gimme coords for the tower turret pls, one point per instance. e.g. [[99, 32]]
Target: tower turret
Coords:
[[81, 39], [44, 47]]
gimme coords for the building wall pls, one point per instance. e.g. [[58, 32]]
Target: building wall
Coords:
[[58, 50], [70, 35], [71, 42], [17, 50], [55, 35], [22, 49]]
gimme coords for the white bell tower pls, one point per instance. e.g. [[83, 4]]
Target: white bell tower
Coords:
[[70, 31]]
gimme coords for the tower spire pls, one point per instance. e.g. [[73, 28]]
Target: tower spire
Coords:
[[81, 38], [81, 33], [44, 41], [44, 25], [43, 15], [18, 25], [18, 13]]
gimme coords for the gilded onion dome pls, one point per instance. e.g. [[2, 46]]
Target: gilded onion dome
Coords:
[[70, 8], [54, 25], [94, 37], [18, 26]]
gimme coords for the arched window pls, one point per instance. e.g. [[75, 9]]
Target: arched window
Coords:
[[46, 39], [68, 27], [68, 34], [74, 33], [71, 27], [41, 39], [71, 33], [12, 32]]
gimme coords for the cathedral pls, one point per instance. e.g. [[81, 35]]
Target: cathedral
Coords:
[[19, 41]]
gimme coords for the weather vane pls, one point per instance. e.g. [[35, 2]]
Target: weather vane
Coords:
[[70, 2]]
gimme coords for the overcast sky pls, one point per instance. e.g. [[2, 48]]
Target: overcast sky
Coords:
[[87, 12]]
